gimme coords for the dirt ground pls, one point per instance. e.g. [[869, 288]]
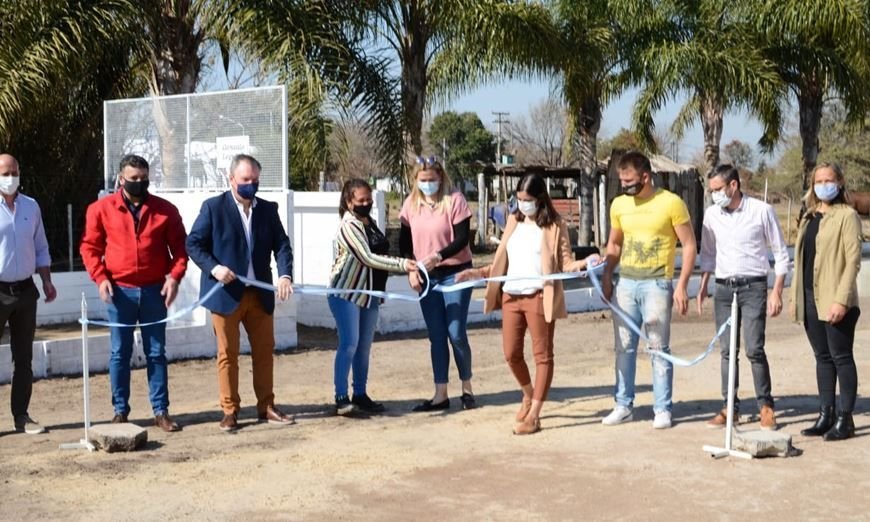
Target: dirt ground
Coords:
[[459, 465]]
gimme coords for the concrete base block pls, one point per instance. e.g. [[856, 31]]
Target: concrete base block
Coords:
[[761, 443], [118, 437]]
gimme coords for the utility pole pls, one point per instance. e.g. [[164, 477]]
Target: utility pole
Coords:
[[499, 120]]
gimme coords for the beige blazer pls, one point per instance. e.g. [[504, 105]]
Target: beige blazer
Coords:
[[556, 256], [836, 266]]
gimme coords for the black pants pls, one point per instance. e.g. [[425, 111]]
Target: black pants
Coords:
[[18, 308], [752, 319], [833, 347]]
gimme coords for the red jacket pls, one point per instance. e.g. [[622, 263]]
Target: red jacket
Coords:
[[112, 249]]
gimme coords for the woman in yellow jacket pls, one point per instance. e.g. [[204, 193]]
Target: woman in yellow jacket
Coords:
[[825, 295], [535, 243]]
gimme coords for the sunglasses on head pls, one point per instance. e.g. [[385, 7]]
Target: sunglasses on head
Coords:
[[427, 162]]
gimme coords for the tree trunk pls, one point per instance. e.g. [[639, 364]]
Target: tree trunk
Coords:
[[175, 67], [415, 77], [712, 112], [589, 123], [810, 100]]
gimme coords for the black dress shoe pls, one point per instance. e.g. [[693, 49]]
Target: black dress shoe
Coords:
[[428, 405], [468, 402], [843, 429], [119, 418], [824, 423]]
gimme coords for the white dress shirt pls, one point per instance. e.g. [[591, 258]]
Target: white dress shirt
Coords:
[[734, 243]]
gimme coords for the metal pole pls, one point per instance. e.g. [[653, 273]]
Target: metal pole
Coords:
[[727, 451], [69, 235], [765, 189], [84, 443]]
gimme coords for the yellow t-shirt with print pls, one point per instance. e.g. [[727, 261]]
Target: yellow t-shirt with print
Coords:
[[649, 245]]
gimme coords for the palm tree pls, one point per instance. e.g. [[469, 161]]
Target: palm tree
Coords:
[[591, 72], [443, 47], [705, 49], [820, 49]]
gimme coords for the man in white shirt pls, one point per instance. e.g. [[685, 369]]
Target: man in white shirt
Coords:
[[736, 235]]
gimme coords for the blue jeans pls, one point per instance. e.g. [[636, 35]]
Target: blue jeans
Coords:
[[356, 330], [128, 306], [648, 302], [446, 316]]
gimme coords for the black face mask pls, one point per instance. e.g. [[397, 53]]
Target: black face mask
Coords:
[[136, 189], [362, 210], [633, 189]]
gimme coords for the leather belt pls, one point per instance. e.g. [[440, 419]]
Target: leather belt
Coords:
[[741, 281], [16, 287]]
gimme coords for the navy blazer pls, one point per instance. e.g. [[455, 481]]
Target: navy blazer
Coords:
[[218, 238]]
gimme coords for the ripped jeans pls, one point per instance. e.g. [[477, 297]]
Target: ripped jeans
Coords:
[[648, 302]]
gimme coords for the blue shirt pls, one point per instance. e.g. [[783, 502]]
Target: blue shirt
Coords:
[[23, 246]]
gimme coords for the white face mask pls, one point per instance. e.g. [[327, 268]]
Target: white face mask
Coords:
[[9, 184], [528, 208], [721, 198]]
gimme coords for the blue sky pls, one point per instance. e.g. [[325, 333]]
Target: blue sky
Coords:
[[516, 97]]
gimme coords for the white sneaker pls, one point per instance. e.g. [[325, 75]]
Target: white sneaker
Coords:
[[662, 420], [619, 415], [27, 425]]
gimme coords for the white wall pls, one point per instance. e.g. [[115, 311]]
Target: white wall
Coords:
[[188, 337], [315, 224]]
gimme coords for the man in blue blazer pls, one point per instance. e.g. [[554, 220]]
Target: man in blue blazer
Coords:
[[237, 233]]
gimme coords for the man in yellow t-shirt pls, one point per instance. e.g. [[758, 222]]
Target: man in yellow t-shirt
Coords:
[[645, 224]]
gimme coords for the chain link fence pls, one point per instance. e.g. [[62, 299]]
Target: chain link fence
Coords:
[[189, 139]]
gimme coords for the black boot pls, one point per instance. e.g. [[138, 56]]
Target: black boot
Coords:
[[824, 423], [843, 429]]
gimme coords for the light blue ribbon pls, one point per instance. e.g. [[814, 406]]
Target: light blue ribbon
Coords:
[[300, 289], [501, 279], [177, 315], [631, 325]]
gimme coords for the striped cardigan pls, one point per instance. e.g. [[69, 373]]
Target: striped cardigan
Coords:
[[354, 261]]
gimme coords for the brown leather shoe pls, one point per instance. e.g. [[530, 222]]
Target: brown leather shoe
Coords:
[[273, 415], [768, 418], [165, 423], [721, 420], [230, 422], [119, 418]]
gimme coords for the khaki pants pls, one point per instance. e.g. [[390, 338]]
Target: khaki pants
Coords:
[[521, 312], [261, 334]]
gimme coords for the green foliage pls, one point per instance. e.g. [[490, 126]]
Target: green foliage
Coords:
[[739, 154], [625, 139], [839, 142], [468, 142]]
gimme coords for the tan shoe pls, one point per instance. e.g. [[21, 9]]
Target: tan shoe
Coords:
[[721, 420], [527, 427], [768, 418], [273, 415], [525, 406]]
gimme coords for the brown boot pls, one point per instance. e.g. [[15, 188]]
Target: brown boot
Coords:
[[768, 418]]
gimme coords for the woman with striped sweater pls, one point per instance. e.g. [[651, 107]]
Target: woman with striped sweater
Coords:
[[360, 264]]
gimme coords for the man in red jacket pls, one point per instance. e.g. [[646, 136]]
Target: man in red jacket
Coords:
[[133, 248]]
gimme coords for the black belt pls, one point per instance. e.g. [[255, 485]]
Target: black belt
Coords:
[[16, 287], [741, 281]]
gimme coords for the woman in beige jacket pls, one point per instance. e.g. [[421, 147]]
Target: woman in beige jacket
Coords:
[[825, 295], [535, 243]]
